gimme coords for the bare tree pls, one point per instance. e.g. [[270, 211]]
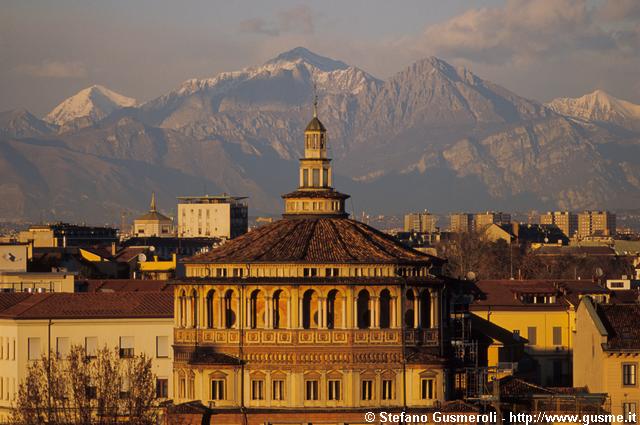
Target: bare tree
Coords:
[[103, 389]]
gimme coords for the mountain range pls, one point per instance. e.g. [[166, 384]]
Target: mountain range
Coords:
[[431, 136]]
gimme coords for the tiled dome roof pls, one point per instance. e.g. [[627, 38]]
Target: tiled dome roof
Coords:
[[313, 240]]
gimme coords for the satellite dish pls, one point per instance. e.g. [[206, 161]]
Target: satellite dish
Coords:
[[142, 258], [599, 272], [152, 248], [546, 240], [471, 276]]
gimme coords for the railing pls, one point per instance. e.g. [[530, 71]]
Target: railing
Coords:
[[413, 337]]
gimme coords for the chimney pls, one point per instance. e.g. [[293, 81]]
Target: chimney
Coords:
[[113, 249]]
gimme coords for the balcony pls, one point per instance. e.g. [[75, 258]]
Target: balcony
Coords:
[[357, 337]]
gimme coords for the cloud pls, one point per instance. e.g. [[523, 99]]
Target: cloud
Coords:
[[297, 20], [258, 26], [524, 31], [54, 69]]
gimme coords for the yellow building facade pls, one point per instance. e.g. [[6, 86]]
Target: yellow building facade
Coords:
[[607, 353], [33, 324], [312, 316], [541, 315]]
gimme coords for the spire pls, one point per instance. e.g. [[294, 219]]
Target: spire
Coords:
[[315, 101], [153, 202]]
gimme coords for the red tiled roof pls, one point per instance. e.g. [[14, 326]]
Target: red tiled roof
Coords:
[[621, 322], [122, 285], [313, 240], [9, 299], [116, 305], [505, 294]]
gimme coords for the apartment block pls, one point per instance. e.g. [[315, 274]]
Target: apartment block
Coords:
[[420, 222], [212, 216], [565, 220], [596, 223], [461, 222]]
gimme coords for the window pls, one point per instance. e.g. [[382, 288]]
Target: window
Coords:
[[277, 389], [332, 272], [531, 335], [310, 272], [629, 374], [91, 392], [217, 389], [426, 389], [162, 346], [257, 389], [34, 348], [629, 412], [126, 347], [367, 389], [316, 177], [387, 389], [162, 388], [311, 390], [557, 335], [333, 389], [62, 347], [90, 346]]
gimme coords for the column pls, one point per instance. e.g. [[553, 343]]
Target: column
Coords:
[[300, 313], [220, 324], [393, 320], [434, 308], [416, 312], [323, 302], [288, 312], [344, 312], [268, 312], [375, 312], [320, 325], [355, 313]]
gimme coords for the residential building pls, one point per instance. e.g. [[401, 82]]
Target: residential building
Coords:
[[67, 235], [596, 223], [315, 317], [153, 223], [490, 217], [420, 222], [540, 312], [33, 324], [14, 276], [461, 223], [212, 216], [607, 347], [565, 220]]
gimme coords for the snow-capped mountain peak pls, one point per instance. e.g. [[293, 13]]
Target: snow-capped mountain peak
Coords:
[[300, 54], [94, 103], [597, 106], [330, 75]]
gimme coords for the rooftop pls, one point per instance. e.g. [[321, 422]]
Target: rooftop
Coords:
[[314, 240], [508, 294], [621, 322], [66, 306]]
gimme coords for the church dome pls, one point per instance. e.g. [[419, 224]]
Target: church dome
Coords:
[[314, 240]]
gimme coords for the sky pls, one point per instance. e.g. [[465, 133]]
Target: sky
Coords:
[[540, 49]]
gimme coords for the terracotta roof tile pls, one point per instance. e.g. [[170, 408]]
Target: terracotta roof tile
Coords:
[[621, 321], [505, 294], [313, 240], [116, 305], [122, 285]]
